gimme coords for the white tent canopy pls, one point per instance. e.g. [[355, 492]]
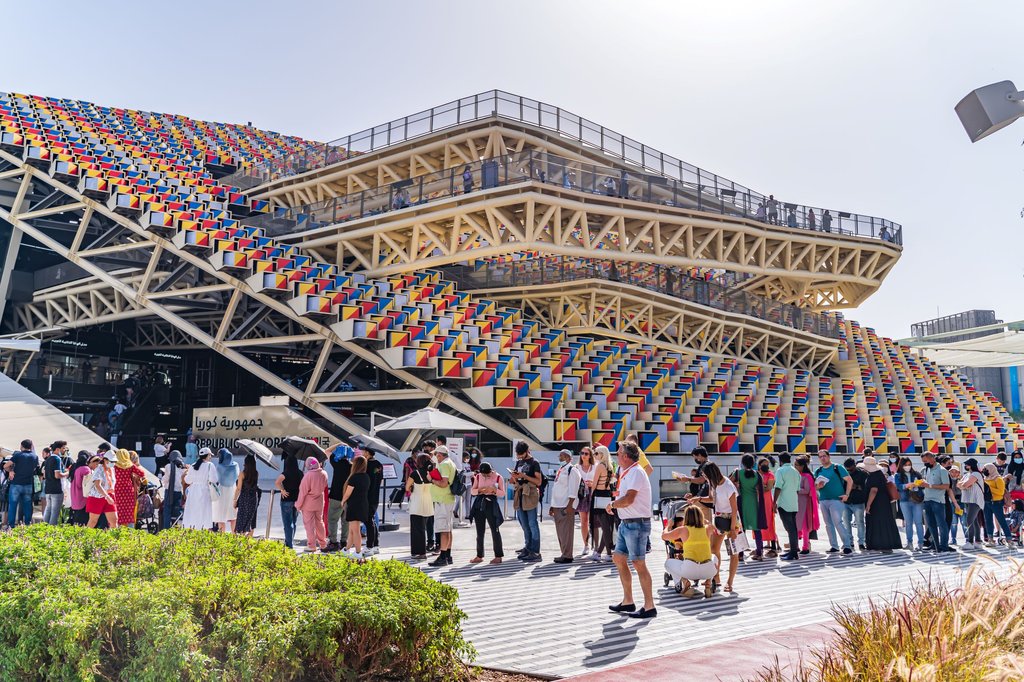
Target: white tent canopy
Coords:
[[1004, 349], [31, 345], [428, 418]]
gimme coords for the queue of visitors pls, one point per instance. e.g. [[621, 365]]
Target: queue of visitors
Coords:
[[859, 502]]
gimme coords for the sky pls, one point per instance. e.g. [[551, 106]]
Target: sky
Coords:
[[845, 104]]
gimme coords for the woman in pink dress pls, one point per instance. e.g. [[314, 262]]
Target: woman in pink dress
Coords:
[[807, 519], [129, 477]]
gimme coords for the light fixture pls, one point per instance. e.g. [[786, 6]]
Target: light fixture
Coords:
[[990, 108]]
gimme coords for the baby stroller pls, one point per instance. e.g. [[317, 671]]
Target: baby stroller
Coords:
[[145, 511], [670, 509]]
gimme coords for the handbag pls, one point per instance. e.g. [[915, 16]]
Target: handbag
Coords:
[[894, 493], [738, 545]]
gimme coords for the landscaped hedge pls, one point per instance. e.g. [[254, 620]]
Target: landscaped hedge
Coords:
[[79, 604]]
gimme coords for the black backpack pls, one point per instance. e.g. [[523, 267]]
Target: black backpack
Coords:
[[458, 485]]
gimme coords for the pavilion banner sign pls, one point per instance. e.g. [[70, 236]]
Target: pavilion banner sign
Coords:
[[221, 427]]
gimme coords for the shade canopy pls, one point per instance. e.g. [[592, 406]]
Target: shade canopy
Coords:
[[428, 418], [1002, 349], [259, 451]]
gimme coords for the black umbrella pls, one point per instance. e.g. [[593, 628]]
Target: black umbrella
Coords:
[[302, 449]]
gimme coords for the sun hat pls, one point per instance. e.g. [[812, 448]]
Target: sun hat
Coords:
[[870, 464]]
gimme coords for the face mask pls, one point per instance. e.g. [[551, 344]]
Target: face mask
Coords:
[[907, 468], [930, 465], [1017, 460], [892, 460], [765, 468]]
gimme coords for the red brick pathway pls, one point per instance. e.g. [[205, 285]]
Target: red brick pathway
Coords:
[[731, 661]]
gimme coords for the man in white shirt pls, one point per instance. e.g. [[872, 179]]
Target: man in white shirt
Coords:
[[634, 505], [564, 492]]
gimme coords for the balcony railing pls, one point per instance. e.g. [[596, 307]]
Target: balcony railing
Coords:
[[568, 174], [534, 271], [638, 158]]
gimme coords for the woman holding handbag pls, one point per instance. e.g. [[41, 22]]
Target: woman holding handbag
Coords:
[[601, 521], [751, 502], [488, 488], [421, 506], [722, 495]]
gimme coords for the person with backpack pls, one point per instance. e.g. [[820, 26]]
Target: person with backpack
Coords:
[[447, 485], [565, 495], [527, 479], [834, 485], [488, 488]]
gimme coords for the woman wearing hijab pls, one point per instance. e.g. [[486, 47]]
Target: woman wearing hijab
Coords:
[[173, 480], [79, 470], [288, 484], [880, 523], [198, 505], [126, 487], [1015, 470], [247, 498], [99, 491], [224, 511], [312, 492], [764, 467], [750, 489], [807, 519]]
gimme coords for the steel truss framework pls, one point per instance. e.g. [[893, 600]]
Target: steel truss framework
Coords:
[[144, 292], [628, 312], [813, 269]]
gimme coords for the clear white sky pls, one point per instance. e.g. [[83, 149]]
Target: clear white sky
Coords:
[[845, 104]]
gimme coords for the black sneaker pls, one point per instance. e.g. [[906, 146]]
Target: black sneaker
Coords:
[[440, 561], [643, 613], [832, 550], [623, 608], [332, 547], [847, 550], [531, 558], [863, 548], [563, 560]]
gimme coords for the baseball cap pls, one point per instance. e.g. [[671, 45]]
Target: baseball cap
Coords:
[[203, 452], [110, 456]]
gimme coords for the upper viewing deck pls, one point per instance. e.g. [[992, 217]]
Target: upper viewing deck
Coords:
[[713, 193]]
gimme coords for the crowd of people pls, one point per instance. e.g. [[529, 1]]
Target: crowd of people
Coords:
[[779, 502]]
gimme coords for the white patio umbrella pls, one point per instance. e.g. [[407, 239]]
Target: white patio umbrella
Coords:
[[375, 444], [428, 418]]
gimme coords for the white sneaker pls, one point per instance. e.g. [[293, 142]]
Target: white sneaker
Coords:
[[606, 558], [372, 551], [968, 545], [586, 551], [594, 556]]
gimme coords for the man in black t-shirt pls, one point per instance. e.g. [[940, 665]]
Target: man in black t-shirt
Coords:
[[853, 513], [375, 470], [53, 471], [341, 462]]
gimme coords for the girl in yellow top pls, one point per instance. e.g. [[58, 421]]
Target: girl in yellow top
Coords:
[[994, 507], [697, 563]]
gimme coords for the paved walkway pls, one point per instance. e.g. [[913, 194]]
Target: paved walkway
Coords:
[[552, 620]]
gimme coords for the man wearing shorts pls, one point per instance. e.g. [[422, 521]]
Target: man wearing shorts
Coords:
[[444, 505], [634, 506]]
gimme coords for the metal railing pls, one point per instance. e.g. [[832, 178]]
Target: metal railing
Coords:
[[568, 174], [534, 271], [639, 158]]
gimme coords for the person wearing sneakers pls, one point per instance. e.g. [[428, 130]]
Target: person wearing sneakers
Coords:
[[444, 503], [527, 478], [994, 507], [972, 496], [564, 493], [634, 506], [488, 488]]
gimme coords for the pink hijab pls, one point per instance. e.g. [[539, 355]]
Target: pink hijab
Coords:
[[811, 519]]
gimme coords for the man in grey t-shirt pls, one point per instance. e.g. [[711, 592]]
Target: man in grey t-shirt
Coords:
[[935, 486]]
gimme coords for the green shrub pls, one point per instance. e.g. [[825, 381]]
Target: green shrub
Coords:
[[78, 604]]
